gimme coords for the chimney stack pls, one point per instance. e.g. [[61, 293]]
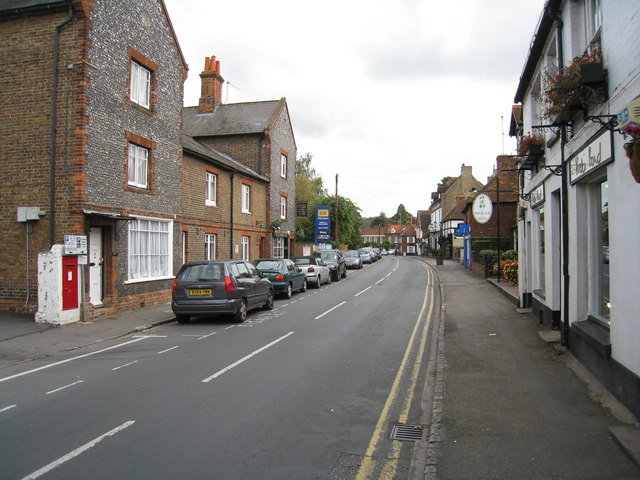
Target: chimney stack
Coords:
[[211, 85]]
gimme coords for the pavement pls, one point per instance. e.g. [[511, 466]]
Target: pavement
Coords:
[[509, 402]]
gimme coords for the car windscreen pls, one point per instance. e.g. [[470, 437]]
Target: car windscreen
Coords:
[[350, 254], [269, 265], [202, 273], [328, 256]]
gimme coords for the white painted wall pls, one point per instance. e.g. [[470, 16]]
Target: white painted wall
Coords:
[[50, 289]]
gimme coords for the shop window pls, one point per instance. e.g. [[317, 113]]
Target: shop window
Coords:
[[604, 301], [540, 283]]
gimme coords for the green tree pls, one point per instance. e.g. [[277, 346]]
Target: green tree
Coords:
[[380, 221], [402, 216], [349, 220]]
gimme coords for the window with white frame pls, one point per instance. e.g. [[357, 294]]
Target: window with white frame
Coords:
[[140, 88], [150, 248], [593, 18], [138, 165], [278, 247], [283, 208], [411, 249], [246, 198], [283, 166], [210, 196], [210, 246], [245, 248]]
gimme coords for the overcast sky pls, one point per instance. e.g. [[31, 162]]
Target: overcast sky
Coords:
[[391, 95]]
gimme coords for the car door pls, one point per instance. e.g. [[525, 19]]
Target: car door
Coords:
[[295, 273], [261, 287], [246, 282]]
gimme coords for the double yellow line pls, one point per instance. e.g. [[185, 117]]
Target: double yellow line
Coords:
[[390, 461]]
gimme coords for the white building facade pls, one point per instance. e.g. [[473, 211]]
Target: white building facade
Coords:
[[579, 229]]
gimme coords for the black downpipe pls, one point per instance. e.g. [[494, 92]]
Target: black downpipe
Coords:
[[231, 217], [564, 333], [54, 129]]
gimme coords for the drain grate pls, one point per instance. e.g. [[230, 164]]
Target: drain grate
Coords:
[[407, 433]]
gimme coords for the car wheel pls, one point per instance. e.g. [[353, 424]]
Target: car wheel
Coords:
[[289, 291], [336, 277], [318, 282], [304, 286], [329, 279], [269, 303], [183, 318], [241, 315]]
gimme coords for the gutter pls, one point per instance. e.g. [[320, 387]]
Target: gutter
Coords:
[[54, 130]]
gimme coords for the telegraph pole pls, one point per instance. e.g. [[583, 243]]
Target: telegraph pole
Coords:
[[337, 236]]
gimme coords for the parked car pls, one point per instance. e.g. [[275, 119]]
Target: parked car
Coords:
[[335, 260], [378, 253], [219, 287], [285, 275], [316, 270], [352, 259], [366, 255]]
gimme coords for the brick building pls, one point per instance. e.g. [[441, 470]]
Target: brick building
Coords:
[[260, 136], [92, 109], [213, 220]]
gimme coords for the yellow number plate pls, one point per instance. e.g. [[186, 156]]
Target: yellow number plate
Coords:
[[200, 292]]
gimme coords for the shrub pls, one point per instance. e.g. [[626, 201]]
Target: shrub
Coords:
[[509, 255], [487, 256], [509, 269]]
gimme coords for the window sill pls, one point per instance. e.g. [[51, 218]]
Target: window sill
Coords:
[[595, 334], [150, 279]]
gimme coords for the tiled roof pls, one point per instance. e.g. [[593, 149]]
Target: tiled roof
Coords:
[[9, 5], [193, 146], [230, 119]]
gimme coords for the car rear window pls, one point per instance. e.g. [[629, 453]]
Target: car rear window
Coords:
[[269, 265], [202, 273], [302, 261]]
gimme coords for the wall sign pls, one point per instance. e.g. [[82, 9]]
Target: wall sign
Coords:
[[536, 196], [482, 208], [595, 154]]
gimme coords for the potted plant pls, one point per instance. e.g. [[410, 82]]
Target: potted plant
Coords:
[[574, 89], [632, 148], [531, 144]]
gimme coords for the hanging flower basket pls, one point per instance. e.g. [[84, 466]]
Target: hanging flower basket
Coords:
[[633, 150], [577, 87]]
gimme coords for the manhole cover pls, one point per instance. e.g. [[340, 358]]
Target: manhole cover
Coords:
[[408, 433]]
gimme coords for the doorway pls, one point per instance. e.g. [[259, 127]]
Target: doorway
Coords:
[[96, 266]]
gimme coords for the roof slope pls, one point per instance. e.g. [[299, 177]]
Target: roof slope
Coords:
[[230, 119], [12, 5], [203, 151]]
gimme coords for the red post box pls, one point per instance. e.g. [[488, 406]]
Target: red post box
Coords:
[[69, 282]]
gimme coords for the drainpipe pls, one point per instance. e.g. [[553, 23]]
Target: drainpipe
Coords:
[[54, 114], [231, 217], [564, 332]]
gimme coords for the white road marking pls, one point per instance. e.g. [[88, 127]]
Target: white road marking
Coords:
[[167, 350], [330, 310], [205, 336], [77, 451], [380, 281], [244, 359], [7, 408], [62, 388], [71, 359], [125, 365], [359, 293]]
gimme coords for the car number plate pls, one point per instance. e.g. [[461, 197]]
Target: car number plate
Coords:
[[201, 291]]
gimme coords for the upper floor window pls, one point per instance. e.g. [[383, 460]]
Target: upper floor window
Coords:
[[210, 196], [283, 208], [593, 12], [138, 166], [140, 85], [283, 166], [142, 81], [246, 198]]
